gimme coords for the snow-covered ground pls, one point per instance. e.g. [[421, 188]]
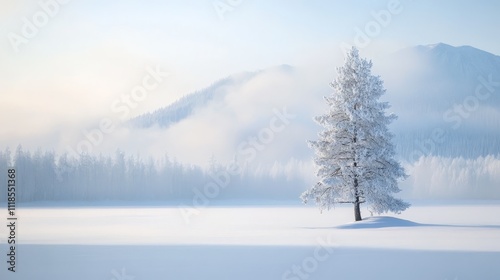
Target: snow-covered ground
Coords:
[[431, 240]]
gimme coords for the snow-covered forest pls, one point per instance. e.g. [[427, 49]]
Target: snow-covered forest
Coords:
[[45, 176]]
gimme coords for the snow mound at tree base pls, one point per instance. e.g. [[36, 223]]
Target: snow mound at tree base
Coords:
[[379, 222]]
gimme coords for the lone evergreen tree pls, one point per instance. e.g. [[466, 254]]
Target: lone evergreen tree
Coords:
[[354, 152]]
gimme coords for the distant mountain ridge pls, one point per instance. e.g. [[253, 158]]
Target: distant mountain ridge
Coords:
[[187, 105], [466, 59], [463, 63], [456, 90]]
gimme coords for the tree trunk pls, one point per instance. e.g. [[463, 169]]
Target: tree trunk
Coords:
[[357, 211]]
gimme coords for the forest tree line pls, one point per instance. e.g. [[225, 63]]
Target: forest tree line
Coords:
[[46, 176]]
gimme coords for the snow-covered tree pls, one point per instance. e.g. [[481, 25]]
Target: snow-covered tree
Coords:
[[354, 152]]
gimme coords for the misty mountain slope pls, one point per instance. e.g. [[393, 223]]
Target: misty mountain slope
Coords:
[[464, 62], [447, 99], [253, 117], [187, 105], [444, 73], [184, 107]]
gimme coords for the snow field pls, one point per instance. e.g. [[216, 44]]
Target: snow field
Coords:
[[442, 240]]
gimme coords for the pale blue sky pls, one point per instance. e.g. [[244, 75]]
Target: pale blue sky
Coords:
[[90, 52]]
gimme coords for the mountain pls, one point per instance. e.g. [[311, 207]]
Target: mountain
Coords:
[[441, 89], [187, 105], [441, 71], [447, 99], [464, 62]]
